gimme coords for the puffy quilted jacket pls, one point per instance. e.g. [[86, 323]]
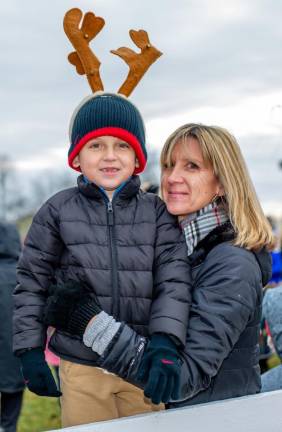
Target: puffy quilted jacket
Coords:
[[221, 356], [11, 379], [130, 252]]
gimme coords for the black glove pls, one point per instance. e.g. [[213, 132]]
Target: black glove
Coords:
[[37, 374], [160, 369], [70, 307]]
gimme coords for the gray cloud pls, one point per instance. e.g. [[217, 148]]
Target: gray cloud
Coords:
[[215, 54]]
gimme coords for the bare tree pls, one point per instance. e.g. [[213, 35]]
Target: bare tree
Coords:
[[48, 183]]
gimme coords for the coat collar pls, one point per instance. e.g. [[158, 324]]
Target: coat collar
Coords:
[[90, 190], [220, 234]]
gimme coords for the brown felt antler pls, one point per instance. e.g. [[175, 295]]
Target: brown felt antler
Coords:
[[83, 58], [138, 63]]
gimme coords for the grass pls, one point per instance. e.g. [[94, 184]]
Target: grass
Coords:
[[39, 414], [273, 361]]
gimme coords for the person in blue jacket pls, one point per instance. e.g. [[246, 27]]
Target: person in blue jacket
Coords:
[[276, 256]]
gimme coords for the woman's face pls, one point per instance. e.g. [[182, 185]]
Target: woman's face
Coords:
[[189, 184]]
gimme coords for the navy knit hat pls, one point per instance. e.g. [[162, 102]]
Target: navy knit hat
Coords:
[[107, 114]]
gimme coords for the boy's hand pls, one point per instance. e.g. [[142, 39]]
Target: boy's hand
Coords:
[[161, 368], [62, 302], [70, 307], [37, 374]]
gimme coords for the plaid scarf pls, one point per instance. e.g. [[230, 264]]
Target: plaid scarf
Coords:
[[198, 225]]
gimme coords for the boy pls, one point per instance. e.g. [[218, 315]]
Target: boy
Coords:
[[117, 241]]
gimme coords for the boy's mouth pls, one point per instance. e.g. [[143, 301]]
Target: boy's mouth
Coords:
[[109, 170]]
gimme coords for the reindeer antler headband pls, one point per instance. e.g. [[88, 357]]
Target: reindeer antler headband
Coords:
[[106, 114], [86, 61]]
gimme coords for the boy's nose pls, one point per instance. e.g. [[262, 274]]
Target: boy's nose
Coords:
[[110, 154]]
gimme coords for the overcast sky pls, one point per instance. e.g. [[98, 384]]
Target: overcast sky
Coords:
[[222, 64]]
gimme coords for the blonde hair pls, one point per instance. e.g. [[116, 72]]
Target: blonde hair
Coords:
[[221, 150]]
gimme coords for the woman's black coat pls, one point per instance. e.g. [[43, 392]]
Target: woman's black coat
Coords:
[[221, 356]]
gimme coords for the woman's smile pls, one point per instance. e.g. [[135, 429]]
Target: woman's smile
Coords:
[[177, 195]]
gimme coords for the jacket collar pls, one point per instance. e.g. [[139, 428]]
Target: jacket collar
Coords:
[[220, 234], [226, 233], [90, 190]]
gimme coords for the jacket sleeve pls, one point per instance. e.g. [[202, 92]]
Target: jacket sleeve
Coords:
[[227, 291], [172, 278], [39, 258], [224, 299], [124, 354]]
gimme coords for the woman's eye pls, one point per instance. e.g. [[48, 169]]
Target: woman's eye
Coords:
[[167, 166], [191, 165]]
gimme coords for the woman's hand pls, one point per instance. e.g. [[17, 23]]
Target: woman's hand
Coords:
[[70, 307], [160, 369]]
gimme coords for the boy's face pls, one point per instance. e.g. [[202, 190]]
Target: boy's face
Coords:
[[106, 161]]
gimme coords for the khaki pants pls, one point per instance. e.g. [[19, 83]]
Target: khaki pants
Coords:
[[91, 394]]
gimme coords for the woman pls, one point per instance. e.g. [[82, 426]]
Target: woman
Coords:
[[206, 184]]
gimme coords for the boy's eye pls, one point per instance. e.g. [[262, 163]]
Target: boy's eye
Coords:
[[124, 145], [95, 145]]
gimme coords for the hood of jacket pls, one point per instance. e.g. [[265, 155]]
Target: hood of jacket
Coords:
[[265, 263]]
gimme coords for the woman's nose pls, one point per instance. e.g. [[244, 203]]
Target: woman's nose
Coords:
[[175, 176]]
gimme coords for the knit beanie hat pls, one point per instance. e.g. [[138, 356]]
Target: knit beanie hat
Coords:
[[102, 113], [110, 114]]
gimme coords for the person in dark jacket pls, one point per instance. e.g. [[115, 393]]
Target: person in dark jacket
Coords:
[[272, 313], [11, 379], [206, 184], [118, 242]]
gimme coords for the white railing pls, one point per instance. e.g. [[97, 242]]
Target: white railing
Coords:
[[260, 413]]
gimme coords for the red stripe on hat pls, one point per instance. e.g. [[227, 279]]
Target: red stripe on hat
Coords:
[[115, 132]]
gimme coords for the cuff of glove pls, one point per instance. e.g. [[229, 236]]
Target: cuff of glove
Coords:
[[81, 317], [31, 354], [164, 340]]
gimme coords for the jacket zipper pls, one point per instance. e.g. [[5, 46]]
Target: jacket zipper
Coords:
[[115, 287]]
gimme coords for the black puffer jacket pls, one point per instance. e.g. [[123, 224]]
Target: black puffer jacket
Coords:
[[115, 248], [221, 356], [11, 379]]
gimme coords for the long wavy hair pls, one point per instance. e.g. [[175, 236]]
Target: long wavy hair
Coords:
[[221, 150]]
